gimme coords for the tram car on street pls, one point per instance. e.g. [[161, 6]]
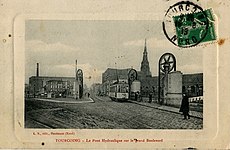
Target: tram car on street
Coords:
[[119, 91]]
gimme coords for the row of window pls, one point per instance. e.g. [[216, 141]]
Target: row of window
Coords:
[[120, 88]]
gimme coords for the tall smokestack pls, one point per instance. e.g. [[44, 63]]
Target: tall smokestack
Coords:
[[37, 70], [76, 65], [76, 68]]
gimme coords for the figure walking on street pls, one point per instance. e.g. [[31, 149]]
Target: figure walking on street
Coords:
[[135, 96], [185, 107], [150, 97]]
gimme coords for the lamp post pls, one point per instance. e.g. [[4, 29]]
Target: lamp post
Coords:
[[116, 72]]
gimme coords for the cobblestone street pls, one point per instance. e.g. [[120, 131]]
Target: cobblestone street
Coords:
[[103, 114]]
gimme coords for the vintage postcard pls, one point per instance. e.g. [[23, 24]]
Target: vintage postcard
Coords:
[[115, 75]]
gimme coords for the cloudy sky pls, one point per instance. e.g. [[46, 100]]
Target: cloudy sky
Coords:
[[98, 45]]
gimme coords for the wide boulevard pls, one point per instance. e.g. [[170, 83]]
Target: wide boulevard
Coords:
[[103, 113]]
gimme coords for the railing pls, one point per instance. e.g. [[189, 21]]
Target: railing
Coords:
[[198, 99]]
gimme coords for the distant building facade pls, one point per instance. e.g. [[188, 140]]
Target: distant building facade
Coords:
[[96, 88], [45, 84], [111, 75], [192, 84], [56, 86], [148, 85], [27, 90]]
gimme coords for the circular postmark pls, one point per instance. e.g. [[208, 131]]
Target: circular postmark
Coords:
[[185, 24]]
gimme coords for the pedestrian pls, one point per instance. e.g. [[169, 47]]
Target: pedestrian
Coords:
[[184, 108], [136, 95], [88, 94], [150, 97]]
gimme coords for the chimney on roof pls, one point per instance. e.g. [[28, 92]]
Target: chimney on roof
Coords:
[[37, 73]]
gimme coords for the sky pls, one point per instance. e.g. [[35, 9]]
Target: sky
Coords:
[[98, 45]]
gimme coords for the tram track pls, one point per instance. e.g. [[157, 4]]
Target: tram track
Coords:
[[54, 118], [158, 108], [134, 120], [104, 114], [40, 123], [102, 100]]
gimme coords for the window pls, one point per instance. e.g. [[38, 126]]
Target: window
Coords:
[[124, 88], [112, 88], [193, 89], [119, 88]]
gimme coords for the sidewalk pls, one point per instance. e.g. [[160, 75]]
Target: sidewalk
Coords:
[[67, 100], [168, 108]]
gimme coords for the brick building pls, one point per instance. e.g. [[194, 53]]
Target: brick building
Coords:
[[44, 84], [111, 75], [192, 84]]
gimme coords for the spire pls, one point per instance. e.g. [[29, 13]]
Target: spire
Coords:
[[145, 63], [145, 53]]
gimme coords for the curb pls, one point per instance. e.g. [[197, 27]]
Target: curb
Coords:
[[92, 100], [163, 109], [67, 102]]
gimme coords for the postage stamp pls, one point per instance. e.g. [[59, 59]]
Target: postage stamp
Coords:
[[187, 24]]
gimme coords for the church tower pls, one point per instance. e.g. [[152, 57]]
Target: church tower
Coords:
[[145, 63]]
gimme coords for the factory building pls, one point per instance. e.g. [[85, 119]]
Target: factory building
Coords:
[[45, 84]]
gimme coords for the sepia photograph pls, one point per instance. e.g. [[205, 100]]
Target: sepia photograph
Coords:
[[114, 74], [110, 74]]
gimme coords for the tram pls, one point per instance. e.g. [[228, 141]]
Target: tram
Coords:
[[119, 91]]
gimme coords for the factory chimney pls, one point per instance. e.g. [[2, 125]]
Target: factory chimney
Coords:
[[37, 73], [76, 68]]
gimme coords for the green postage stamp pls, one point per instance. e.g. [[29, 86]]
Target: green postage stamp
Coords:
[[195, 28], [187, 24]]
